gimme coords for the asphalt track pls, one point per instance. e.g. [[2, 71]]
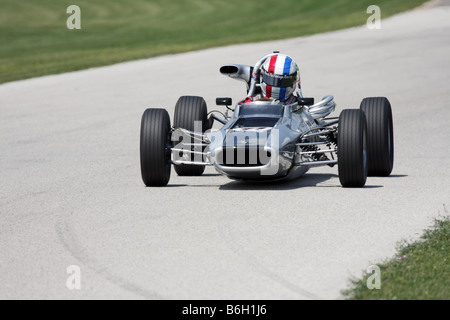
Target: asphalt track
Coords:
[[71, 191]]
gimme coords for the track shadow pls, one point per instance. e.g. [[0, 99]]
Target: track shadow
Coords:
[[398, 176], [372, 187], [171, 186], [309, 180]]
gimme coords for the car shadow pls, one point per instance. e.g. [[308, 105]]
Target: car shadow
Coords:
[[309, 180], [172, 186], [398, 176], [211, 175]]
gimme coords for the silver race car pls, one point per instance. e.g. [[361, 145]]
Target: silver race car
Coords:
[[267, 140]]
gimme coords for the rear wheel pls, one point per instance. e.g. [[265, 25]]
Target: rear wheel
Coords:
[[352, 149], [190, 111], [155, 148], [380, 136]]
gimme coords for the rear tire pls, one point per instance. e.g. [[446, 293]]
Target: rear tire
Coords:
[[155, 148], [188, 110], [352, 149], [380, 136]]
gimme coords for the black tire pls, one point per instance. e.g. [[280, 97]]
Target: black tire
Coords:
[[380, 136], [352, 149], [155, 144], [188, 110]]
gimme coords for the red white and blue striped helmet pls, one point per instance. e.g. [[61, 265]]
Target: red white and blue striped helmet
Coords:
[[280, 77]]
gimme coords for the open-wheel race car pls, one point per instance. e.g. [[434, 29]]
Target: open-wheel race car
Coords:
[[264, 139]]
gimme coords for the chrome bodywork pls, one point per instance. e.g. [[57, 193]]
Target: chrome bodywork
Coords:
[[287, 148]]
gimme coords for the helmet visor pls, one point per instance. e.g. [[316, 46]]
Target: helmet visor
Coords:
[[279, 81]]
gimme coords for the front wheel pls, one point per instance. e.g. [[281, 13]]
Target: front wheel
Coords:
[[191, 114], [155, 148], [352, 149]]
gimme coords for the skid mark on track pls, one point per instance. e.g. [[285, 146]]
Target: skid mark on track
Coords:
[[71, 243], [238, 249]]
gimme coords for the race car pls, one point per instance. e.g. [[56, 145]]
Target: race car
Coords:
[[267, 139]]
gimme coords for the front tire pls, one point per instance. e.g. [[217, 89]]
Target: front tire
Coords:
[[188, 111], [380, 136], [352, 149], [155, 148]]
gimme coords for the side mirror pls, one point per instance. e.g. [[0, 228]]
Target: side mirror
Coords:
[[224, 101], [306, 101]]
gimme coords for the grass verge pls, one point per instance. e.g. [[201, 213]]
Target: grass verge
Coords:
[[420, 271], [35, 41]]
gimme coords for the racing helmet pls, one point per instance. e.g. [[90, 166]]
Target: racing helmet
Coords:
[[280, 77]]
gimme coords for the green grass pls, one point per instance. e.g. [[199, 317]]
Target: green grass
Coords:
[[34, 39], [421, 270]]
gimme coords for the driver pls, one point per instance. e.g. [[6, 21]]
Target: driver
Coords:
[[279, 80]]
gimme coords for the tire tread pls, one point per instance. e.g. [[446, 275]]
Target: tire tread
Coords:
[[188, 110], [351, 167], [379, 120]]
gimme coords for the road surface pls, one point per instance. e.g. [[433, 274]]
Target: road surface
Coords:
[[71, 191]]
